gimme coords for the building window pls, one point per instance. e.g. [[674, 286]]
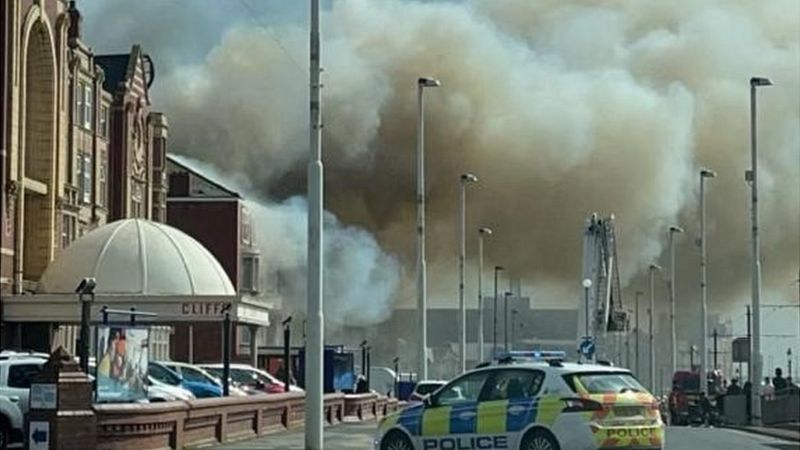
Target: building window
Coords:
[[102, 185], [86, 178], [249, 278], [159, 342], [88, 102], [104, 121], [247, 229], [84, 104], [68, 230]]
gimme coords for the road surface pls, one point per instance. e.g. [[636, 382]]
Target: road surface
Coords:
[[354, 436]]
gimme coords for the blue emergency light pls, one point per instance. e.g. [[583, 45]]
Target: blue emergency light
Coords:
[[537, 355]]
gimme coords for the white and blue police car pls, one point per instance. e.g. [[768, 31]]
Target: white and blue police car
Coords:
[[530, 405]]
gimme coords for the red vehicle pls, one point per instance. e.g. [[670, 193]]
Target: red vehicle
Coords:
[[684, 397]]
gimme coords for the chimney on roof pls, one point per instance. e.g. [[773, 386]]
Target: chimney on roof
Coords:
[[75, 20]]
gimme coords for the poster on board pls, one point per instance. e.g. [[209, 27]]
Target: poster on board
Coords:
[[122, 359]]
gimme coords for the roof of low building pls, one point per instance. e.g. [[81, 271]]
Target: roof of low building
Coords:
[[137, 257]]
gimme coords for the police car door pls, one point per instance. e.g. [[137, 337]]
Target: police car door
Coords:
[[449, 419], [508, 406]]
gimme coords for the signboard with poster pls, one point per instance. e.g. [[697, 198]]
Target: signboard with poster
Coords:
[[122, 359]]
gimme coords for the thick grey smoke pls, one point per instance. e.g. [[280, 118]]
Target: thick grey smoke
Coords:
[[560, 107], [360, 280]]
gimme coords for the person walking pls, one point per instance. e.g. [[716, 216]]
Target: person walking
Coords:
[[779, 383], [767, 390]]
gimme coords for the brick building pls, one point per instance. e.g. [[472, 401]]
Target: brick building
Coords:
[[219, 219]]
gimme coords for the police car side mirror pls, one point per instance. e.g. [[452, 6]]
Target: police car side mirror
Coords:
[[427, 401]]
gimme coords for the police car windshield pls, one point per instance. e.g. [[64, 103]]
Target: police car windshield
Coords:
[[603, 383]]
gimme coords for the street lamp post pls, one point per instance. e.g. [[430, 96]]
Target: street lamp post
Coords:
[[481, 343], [673, 335], [497, 270], [514, 313], [755, 349], [587, 284], [422, 300], [636, 334], [507, 296], [704, 173], [650, 312], [314, 300], [462, 308], [85, 291]]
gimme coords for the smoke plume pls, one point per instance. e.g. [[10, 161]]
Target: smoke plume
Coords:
[[561, 108], [360, 280]]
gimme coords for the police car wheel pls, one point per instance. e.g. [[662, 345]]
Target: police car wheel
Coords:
[[539, 440], [396, 441]]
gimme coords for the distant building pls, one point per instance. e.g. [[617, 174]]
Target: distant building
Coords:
[[551, 329], [218, 218]]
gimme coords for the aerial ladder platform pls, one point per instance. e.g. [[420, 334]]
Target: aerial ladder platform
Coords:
[[608, 320]]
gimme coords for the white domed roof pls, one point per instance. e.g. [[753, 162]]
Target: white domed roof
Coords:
[[138, 257]]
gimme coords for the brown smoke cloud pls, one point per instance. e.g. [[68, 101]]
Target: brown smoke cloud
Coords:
[[560, 107]]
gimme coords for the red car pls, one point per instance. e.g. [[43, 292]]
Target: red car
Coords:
[[252, 379]]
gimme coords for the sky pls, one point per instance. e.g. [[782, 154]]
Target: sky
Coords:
[[561, 107]]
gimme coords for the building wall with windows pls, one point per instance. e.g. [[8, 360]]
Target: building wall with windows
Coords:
[[218, 218], [84, 205], [137, 145], [77, 130]]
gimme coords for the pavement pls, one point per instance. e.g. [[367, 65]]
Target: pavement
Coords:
[[352, 436], [346, 436], [789, 431]]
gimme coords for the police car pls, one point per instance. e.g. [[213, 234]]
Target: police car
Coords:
[[530, 405]]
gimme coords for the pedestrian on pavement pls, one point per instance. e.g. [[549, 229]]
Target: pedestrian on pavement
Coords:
[[767, 390], [779, 382], [748, 392], [734, 388]]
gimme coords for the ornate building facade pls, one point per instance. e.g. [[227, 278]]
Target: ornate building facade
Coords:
[[80, 144]]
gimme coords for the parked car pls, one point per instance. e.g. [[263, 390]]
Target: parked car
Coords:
[[11, 422], [162, 392], [425, 388], [8, 354], [162, 374], [252, 378], [16, 375], [195, 374]]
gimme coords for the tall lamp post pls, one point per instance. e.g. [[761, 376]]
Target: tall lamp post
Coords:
[[85, 291], [636, 334], [673, 336], [650, 312], [481, 342], [497, 270], [587, 284], [314, 300], [704, 173], [462, 225], [514, 313], [507, 296], [752, 176], [422, 296]]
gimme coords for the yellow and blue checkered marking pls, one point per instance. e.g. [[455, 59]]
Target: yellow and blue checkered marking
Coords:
[[492, 417]]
